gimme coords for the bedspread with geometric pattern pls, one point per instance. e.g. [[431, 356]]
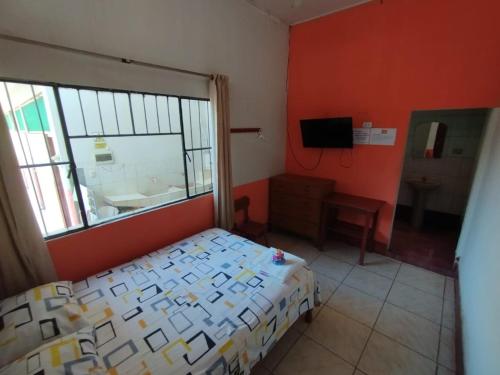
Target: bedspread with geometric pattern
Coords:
[[199, 306]]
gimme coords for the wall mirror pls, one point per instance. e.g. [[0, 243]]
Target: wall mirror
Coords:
[[428, 141]]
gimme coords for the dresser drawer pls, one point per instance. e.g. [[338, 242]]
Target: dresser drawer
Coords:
[[295, 225], [300, 189], [296, 207], [309, 191], [295, 203]]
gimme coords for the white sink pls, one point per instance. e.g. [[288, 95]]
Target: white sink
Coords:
[[421, 188], [424, 185]]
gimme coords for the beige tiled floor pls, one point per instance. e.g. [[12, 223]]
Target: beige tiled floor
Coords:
[[386, 317]]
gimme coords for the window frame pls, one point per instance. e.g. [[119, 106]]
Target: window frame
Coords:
[[73, 167]]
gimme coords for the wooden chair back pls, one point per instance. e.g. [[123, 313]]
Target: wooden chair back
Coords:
[[242, 204]]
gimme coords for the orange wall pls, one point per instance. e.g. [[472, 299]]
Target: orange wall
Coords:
[[258, 192], [379, 62], [88, 252]]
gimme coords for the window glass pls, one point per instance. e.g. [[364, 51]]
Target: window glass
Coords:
[[196, 115], [37, 137], [88, 156], [121, 175]]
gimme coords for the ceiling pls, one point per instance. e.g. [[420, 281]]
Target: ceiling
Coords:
[[296, 11]]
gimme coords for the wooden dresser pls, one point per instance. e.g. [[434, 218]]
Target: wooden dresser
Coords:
[[295, 203]]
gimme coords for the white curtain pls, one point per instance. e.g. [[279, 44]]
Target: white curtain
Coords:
[[223, 189], [24, 258]]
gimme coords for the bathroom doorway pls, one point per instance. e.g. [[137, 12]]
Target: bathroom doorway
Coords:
[[439, 164]]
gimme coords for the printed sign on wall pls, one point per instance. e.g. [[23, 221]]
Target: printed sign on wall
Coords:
[[383, 136], [361, 136], [374, 136]]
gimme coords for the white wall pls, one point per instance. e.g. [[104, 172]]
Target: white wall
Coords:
[[479, 251], [216, 36], [454, 170]]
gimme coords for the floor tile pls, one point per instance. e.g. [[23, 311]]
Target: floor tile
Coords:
[[417, 333], [444, 371], [305, 250], [449, 289], [369, 282], [405, 337], [309, 358], [280, 349], [449, 314], [428, 248], [384, 356], [338, 333], [355, 304], [342, 251], [421, 279], [382, 265], [447, 349], [331, 268], [326, 286], [300, 325], [416, 301]]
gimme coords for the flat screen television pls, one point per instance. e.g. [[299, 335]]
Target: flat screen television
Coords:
[[333, 132]]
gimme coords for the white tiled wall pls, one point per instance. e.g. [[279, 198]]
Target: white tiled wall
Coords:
[[147, 165], [456, 167]]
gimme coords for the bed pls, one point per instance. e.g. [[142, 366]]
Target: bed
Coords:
[[205, 305]]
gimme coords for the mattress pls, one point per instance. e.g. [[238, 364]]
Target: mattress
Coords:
[[199, 306]]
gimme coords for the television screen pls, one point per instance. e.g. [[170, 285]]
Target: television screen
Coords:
[[327, 133]]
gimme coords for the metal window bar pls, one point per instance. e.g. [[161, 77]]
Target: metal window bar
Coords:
[[71, 162], [208, 124], [145, 115], [209, 135], [116, 113], [193, 152], [69, 152], [168, 112], [131, 114], [201, 152], [83, 114], [99, 110], [199, 149], [121, 135], [192, 145], [44, 164], [157, 113], [184, 152]]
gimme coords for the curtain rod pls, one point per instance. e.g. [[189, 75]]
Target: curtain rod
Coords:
[[102, 56]]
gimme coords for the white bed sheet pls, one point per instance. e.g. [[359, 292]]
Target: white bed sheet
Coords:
[[203, 305]]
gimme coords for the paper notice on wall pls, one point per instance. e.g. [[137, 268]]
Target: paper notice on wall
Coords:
[[383, 136], [361, 136]]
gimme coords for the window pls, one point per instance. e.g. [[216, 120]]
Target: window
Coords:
[[88, 156]]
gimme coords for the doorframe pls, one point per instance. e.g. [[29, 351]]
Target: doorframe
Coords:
[[487, 129], [486, 145]]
